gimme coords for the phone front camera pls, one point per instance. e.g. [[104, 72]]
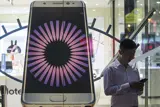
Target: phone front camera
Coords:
[[67, 3], [44, 3]]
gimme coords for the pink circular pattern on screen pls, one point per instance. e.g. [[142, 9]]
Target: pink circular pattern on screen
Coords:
[[73, 68]]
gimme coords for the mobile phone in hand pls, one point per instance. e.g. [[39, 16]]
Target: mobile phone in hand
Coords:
[[143, 80]]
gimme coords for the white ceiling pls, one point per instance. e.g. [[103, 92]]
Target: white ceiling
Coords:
[[22, 6], [27, 2]]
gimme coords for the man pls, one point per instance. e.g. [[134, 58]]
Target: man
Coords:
[[121, 80]]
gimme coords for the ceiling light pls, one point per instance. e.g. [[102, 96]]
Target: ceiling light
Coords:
[[137, 1], [118, 4], [97, 4], [129, 25], [94, 10], [141, 4], [149, 19], [158, 2], [154, 12], [139, 19]]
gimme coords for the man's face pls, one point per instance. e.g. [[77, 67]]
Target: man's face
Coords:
[[127, 54]]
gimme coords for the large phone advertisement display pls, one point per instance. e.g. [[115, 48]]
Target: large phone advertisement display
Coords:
[[58, 60], [73, 65]]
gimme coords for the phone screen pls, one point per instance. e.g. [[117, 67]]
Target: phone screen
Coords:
[[57, 57]]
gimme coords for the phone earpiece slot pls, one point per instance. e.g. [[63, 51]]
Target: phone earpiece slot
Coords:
[[57, 3]]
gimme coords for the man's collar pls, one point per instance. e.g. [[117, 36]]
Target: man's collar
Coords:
[[117, 63]]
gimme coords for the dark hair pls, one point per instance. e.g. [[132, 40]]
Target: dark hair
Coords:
[[128, 44]]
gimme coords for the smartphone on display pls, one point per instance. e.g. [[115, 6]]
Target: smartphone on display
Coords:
[[58, 66]]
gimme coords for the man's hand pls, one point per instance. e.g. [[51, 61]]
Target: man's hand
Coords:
[[137, 85]]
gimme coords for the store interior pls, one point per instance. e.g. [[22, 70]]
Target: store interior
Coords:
[[116, 17]]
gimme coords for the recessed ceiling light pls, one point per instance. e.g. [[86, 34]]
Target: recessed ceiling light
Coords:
[[137, 1], [97, 4], [118, 4], [139, 19], [94, 10], [149, 19], [141, 4], [129, 25]]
